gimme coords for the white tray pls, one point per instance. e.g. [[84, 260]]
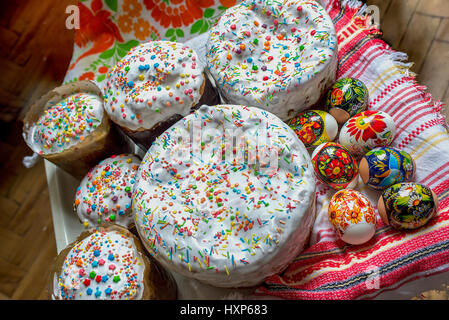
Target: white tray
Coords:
[[67, 227]]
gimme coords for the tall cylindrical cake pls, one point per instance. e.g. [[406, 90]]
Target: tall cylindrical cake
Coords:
[[153, 86], [226, 196], [68, 127], [277, 55]]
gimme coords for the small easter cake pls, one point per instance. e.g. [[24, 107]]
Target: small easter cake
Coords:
[[105, 193], [153, 86], [68, 127], [226, 196], [108, 263], [280, 56]]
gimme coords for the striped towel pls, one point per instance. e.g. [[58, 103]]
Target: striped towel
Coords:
[[332, 269], [329, 268]]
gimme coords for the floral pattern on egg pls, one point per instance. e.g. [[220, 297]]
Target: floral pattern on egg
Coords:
[[383, 167], [407, 205], [346, 98], [314, 127], [367, 130], [335, 166], [352, 215]]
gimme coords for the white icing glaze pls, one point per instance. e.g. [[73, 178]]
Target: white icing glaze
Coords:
[[277, 55], [105, 265], [65, 124], [105, 193], [153, 82], [203, 211]]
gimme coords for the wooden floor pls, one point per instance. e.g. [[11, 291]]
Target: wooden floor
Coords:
[[35, 49]]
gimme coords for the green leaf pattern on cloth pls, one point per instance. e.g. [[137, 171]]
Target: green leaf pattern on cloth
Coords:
[[110, 28]]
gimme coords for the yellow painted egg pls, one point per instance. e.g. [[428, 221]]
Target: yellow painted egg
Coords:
[[314, 127]]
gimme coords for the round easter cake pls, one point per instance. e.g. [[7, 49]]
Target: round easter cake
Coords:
[[66, 123], [105, 193], [226, 196], [153, 86], [280, 56], [108, 263]]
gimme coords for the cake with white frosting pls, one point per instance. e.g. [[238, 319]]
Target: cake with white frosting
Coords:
[[105, 193], [153, 86], [66, 123], [108, 264], [68, 126], [225, 196], [277, 55]]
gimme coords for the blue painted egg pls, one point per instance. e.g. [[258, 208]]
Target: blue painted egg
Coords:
[[383, 167]]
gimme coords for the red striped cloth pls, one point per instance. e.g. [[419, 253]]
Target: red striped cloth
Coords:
[[331, 269]]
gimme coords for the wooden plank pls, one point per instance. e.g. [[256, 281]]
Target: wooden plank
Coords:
[[418, 38], [10, 277], [396, 20], [434, 73], [8, 208], [437, 8], [34, 282]]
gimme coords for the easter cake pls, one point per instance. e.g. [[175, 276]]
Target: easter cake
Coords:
[[226, 196], [280, 56], [68, 126], [105, 193], [108, 263], [153, 86]]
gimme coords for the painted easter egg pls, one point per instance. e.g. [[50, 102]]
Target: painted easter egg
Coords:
[[407, 205], [383, 167], [314, 127], [346, 98], [367, 130], [335, 166], [352, 215]]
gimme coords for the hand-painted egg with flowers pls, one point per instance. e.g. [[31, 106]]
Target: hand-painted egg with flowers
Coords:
[[383, 167], [352, 215], [334, 165], [407, 205], [367, 130], [314, 127], [346, 98]]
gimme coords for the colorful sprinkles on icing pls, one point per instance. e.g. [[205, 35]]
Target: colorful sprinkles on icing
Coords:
[[66, 123], [214, 204], [153, 82], [105, 265], [260, 52], [105, 193]]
